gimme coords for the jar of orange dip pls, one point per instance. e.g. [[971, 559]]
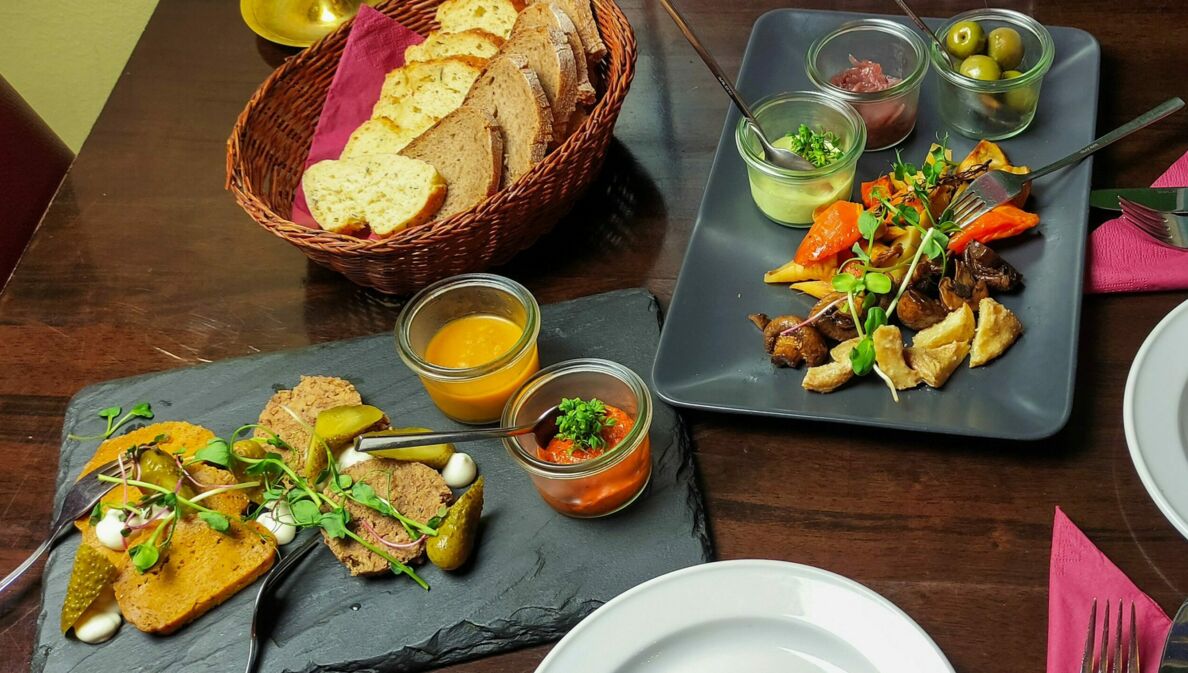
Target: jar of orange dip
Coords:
[[471, 339], [577, 483]]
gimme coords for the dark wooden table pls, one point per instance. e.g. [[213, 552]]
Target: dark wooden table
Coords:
[[144, 263]]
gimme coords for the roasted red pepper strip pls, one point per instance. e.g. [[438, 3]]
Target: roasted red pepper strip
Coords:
[[883, 184], [834, 229], [1002, 222]]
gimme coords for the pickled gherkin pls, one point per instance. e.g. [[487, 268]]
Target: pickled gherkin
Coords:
[[456, 535], [158, 467], [92, 574], [435, 455], [334, 429]]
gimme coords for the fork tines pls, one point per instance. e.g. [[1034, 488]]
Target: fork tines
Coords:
[[1145, 219], [1111, 652]]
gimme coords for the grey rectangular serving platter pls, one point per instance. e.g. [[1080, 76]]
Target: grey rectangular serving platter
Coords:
[[536, 573], [712, 358]]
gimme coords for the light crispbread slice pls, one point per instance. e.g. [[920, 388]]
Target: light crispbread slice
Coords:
[[581, 12], [548, 54], [376, 136], [510, 92], [493, 16], [466, 147], [474, 42], [383, 192], [199, 569], [549, 15]]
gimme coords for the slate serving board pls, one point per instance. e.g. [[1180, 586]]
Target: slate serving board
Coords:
[[536, 574]]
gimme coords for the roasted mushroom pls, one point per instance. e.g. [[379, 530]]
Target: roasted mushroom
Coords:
[[804, 344], [919, 311], [836, 323], [986, 265], [962, 288]]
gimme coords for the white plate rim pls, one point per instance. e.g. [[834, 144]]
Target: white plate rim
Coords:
[[796, 569], [1178, 519]]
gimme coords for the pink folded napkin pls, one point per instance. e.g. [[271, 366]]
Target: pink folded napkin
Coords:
[[1080, 573], [374, 47], [1123, 259]]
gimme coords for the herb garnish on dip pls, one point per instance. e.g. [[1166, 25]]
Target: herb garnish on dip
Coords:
[[586, 430], [818, 148]]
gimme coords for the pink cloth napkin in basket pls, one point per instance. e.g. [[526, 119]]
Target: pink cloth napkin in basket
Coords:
[[374, 47], [1080, 573], [1123, 259]]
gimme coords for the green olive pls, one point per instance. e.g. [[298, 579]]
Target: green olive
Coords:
[[456, 535], [980, 67], [965, 39], [1006, 47], [1021, 99]]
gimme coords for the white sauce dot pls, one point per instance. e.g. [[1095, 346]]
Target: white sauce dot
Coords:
[[350, 456], [278, 518], [460, 471], [101, 625], [110, 530]]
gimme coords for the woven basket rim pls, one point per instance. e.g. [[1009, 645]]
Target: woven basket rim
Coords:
[[604, 112]]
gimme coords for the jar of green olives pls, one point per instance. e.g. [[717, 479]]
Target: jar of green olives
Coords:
[[990, 71]]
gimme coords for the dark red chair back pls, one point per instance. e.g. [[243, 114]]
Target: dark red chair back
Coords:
[[32, 163]]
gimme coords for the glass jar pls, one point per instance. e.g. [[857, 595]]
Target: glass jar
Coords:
[[890, 114], [994, 109], [786, 196], [477, 394], [604, 484]]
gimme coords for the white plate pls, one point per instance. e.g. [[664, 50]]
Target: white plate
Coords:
[[1155, 415], [747, 617]]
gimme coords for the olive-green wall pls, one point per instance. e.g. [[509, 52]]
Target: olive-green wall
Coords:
[[64, 56]]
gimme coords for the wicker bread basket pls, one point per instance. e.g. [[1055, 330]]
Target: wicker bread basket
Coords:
[[269, 144]]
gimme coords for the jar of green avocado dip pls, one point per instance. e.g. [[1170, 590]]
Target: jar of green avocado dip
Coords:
[[789, 197]]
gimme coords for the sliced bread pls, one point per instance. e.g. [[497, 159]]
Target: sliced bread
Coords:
[[581, 12], [383, 192], [474, 42], [416, 95], [510, 92], [493, 16], [548, 54], [199, 569], [376, 136], [466, 147], [549, 15]]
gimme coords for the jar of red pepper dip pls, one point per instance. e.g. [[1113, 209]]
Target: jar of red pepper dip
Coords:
[[579, 484], [877, 66]]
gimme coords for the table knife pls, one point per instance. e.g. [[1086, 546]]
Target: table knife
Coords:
[[1166, 199], [1175, 650]]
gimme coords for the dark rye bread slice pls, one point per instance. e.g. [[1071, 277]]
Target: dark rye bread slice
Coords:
[[548, 54], [549, 15], [581, 12], [416, 491], [466, 147], [510, 91]]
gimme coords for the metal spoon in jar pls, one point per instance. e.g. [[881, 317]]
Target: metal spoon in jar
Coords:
[[543, 428], [779, 157], [924, 27]]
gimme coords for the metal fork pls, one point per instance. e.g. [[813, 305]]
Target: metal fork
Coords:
[[80, 499], [1168, 228], [1125, 646], [274, 576], [997, 187]]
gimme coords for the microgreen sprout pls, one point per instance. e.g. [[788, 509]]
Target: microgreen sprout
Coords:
[[114, 421]]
